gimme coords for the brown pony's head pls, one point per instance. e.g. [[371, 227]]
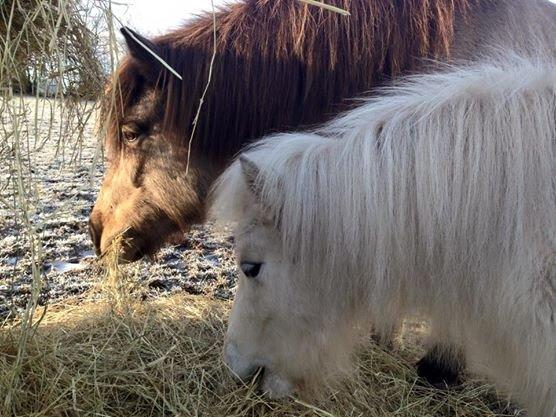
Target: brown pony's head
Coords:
[[280, 65], [146, 195]]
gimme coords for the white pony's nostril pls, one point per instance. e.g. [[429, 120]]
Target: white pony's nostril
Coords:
[[241, 367]]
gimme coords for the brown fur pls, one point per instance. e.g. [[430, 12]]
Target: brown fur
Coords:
[[281, 64]]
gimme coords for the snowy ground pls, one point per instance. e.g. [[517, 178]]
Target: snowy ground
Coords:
[[60, 190]]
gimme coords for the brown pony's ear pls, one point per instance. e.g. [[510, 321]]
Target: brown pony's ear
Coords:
[[143, 51]]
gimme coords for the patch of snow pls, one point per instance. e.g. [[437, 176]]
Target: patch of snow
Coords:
[[60, 266]]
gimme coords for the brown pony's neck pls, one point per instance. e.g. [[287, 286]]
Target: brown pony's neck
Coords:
[[282, 64]]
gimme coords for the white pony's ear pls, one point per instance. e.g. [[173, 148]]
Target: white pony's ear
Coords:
[[252, 175], [250, 172]]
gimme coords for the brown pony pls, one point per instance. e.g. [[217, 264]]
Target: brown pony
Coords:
[[280, 65]]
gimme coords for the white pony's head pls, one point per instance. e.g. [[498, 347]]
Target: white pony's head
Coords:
[[281, 319]]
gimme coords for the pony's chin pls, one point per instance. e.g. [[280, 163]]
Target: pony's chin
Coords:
[[275, 386], [134, 254]]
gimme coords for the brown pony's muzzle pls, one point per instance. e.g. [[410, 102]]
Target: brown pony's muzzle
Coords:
[[144, 238], [95, 230]]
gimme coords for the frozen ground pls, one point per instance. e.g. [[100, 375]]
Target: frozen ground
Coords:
[[60, 189]]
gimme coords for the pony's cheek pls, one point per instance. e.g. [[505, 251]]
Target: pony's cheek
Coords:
[[275, 386]]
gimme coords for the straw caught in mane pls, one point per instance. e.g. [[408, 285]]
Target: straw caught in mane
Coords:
[[436, 198], [308, 45]]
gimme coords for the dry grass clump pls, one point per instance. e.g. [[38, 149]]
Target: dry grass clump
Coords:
[[153, 359], [125, 357], [51, 43], [164, 358], [60, 52]]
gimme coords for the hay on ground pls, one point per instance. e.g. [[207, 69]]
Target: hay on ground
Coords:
[[163, 357]]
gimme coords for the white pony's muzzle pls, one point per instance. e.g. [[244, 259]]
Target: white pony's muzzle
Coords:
[[275, 386], [241, 366]]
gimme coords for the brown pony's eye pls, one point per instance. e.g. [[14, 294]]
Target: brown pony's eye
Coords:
[[131, 133]]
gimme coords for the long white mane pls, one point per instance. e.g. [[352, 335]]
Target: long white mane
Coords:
[[440, 169], [438, 196]]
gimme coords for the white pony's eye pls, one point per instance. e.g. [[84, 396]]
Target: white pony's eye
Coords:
[[250, 269]]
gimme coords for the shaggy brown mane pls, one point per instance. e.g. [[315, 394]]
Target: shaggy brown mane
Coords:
[[308, 57]]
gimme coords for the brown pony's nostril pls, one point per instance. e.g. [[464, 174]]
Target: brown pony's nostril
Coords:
[[95, 236]]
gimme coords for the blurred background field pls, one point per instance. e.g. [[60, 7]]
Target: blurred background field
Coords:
[[145, 339]]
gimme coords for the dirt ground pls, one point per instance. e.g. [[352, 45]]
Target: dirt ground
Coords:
[[61, 188]]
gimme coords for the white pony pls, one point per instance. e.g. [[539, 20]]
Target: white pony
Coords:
[[437, 198]]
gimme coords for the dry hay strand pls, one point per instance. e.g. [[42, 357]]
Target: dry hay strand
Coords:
[[163, 358], [118, 285]]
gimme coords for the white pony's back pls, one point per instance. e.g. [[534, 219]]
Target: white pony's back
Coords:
[[437, 197]]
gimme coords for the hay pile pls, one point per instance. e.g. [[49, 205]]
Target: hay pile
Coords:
[[120, 356], [52, 47]]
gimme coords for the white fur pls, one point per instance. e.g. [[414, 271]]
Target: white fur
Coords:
[[439, 197]]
